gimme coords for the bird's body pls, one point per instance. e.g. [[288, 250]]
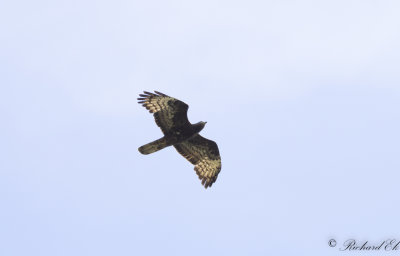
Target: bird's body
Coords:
[[170, 115], [177, 136]]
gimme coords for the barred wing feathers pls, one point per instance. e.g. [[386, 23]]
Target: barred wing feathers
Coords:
[[169, 112], [204, 154]]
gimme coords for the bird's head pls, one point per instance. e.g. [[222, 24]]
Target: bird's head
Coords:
[[199, 126]]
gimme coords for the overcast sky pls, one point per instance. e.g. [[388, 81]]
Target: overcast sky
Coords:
[[302, 97]]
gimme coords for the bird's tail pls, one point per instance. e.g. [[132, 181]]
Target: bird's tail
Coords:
[[154, 146]]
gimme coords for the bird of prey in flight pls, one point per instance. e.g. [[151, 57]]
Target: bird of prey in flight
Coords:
[[170, 115]]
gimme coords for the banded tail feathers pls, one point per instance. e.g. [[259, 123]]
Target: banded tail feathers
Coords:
[[154, 146]]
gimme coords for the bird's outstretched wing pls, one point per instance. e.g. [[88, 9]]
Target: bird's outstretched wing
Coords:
[[204, 154], [169, 113]]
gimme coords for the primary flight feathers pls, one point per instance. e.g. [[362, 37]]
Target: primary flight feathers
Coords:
[[170, 115]]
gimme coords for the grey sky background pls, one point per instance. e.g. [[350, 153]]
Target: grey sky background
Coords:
[[302, 98]]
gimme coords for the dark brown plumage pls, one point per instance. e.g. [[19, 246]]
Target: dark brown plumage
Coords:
[[170, 115]]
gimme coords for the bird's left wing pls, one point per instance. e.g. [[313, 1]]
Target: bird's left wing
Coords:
[[204, 154]]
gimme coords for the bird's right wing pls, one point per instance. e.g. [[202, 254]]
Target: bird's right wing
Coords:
[[169, 112]]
